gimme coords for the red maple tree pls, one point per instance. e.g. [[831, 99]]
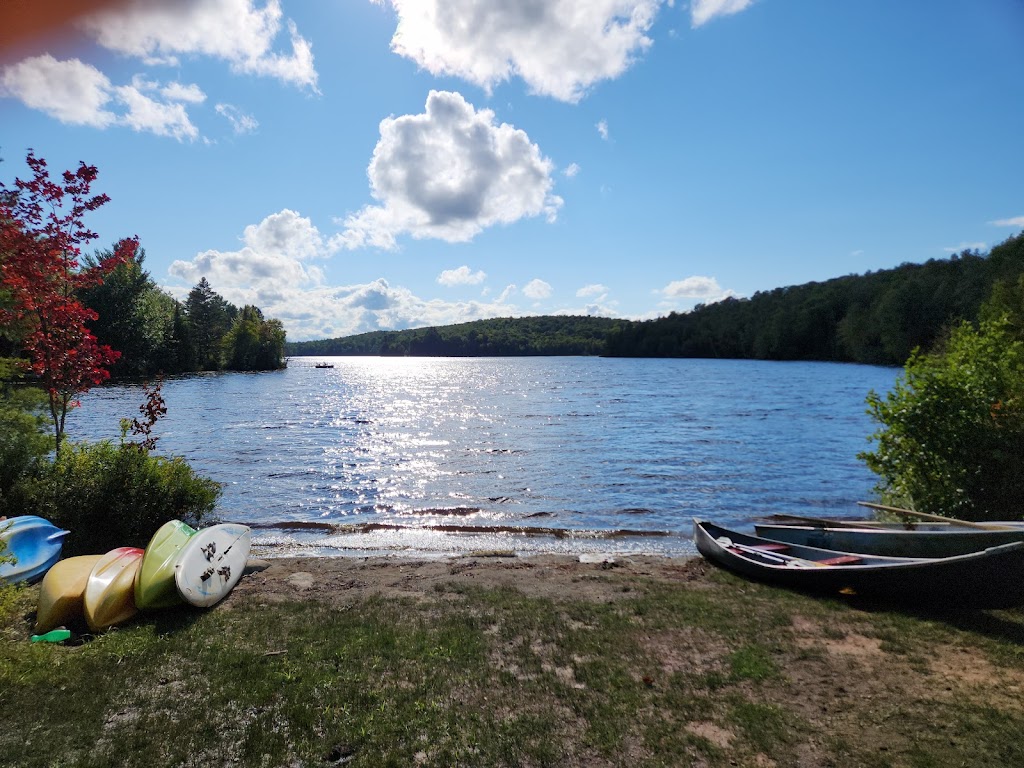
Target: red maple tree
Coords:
[[41, 234]]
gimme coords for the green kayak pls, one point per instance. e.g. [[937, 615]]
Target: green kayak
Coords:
[[154, 586]]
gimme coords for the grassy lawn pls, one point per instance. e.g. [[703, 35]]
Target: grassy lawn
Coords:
[[688, 667]]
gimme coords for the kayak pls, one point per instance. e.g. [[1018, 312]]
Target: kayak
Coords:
[[62, 592], [155, 586], [35, 544], [211, 563], [110, 591]]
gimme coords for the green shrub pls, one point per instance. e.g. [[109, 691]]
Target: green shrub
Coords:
[[112, 495], [952, 439], [24, 443]]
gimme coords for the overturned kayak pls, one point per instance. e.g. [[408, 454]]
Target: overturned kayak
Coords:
[[992, 578], [62, 592], [35, 544], [211, 563], [154, 585], [110, 591]]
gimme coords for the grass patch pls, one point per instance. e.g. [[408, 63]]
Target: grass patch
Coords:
[[666, 673]]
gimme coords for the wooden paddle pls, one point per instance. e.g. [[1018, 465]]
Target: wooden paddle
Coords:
[[938, 518], [822, 521]]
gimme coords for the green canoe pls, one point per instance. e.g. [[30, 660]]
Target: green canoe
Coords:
[[154, 586]]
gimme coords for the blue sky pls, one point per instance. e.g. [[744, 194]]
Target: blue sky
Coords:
[[350, 166]]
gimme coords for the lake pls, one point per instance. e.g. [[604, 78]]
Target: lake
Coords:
[[430, 456]]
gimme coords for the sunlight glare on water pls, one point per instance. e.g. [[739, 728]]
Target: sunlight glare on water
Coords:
[[447, 454]]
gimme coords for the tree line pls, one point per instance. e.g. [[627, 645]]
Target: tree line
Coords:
[[877, 318], [154, 332], [499, 337]]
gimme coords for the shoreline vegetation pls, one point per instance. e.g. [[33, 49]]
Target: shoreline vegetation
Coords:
[[504, 661], [877, 318]]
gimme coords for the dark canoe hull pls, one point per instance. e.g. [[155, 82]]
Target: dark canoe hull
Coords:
[[891, 542], [992, 578]]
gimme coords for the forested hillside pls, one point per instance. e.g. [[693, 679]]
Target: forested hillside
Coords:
[[548, 335], [878, 318]]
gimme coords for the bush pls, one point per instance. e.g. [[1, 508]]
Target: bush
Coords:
[[24, 443], [111, 495], [953, 427]]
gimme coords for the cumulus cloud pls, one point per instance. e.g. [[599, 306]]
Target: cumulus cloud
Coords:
[[703, 11], [695, 287], [602, 128], [449, 173], [1016, 221], [461, 276], [594, 289], [692, 290], [77, 93], [560, 48], [240, 121], [235, 31], [275, 270], [537, 289], [274, 255]]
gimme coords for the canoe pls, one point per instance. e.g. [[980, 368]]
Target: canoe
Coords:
[[35, 544], [62, 592], [991, 578], [927, 540], [211, 563], [154, 586], [110, 591]]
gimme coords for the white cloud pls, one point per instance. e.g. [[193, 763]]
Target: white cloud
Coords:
[[240, 122], [71, 91], [1016, 221], [79, 94], [537, 289], [572, 170], [693, 290], [594, 289], [560, 48], [272, 270], [233, 30], [191, 93], [967, 247], [702, 11], [448, 174], [461, 276], [602, 128]]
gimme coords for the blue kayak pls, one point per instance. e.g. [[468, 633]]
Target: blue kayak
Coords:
[[35, 544]]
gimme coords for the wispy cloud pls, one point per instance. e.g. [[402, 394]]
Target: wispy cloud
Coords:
[[602, 128], [1016, 221], [979, 246], [703, 11], [572, 170]]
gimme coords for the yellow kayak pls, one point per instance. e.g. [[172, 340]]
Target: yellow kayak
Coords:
[[110, 591], [154, 585], [62, 592]]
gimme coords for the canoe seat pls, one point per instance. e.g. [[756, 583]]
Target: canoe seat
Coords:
[[770, 547], [841, 560]]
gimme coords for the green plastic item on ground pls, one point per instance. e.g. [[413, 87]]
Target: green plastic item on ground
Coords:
[[53, 636]]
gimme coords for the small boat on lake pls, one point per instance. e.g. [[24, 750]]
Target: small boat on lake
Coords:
[[324, 365], [991, 578], [894, 540]]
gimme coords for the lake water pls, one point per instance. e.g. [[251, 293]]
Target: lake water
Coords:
[[582, 455]]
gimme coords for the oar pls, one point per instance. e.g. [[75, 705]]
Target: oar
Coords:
[[937, 518], [823, 521], [727, 543]]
